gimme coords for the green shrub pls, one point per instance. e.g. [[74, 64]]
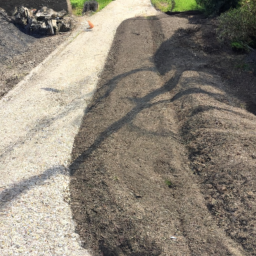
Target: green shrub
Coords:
[[238, 47], [217, 6], [239, 25]]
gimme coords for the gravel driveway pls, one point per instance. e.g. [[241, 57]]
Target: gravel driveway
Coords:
[[39, 120]]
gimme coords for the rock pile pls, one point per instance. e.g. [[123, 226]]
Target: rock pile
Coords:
[[43, 21]]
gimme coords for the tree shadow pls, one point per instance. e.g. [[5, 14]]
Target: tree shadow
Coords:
[[16, 189], [140, 104], [46, 122]]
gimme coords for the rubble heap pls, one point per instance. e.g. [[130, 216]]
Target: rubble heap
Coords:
[[43, 21]]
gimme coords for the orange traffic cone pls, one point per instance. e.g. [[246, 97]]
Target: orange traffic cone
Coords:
[[90, 24]]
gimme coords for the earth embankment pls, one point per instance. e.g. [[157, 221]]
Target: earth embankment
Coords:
[[163, 162]]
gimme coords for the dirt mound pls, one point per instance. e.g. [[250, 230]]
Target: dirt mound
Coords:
[[20, 53], [212, 95], [13, 41], [154, 168], [220, 136]]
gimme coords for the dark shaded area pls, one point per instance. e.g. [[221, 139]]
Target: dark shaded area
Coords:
[[90, 6], [216, 7], [57, 5], [184, 14], [51, 90]]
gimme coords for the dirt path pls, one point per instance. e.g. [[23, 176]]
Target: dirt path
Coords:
[[39, 119], [164, 160]]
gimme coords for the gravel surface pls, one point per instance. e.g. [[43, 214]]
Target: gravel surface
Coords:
[[39, 120]]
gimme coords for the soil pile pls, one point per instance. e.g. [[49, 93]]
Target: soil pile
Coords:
[[163, 162], [20, 53], [13, 41]]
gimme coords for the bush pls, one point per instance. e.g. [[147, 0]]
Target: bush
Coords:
[[215, 7], [239, 25]]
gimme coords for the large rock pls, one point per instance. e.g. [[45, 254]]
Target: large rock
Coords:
[[42, 21]]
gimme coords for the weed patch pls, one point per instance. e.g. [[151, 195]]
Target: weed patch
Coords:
[[169, 183], [77, 5]]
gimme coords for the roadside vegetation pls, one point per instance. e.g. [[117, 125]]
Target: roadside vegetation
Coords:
[[236, 18], [175, 5], [215, 7], [77, 5], [238, 26]]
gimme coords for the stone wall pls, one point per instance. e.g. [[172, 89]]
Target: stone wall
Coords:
[[56, 5]]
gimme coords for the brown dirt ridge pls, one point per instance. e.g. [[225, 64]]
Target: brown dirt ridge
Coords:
[[164, 160]]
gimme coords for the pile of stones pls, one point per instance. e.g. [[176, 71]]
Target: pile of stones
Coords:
[[43, 21]]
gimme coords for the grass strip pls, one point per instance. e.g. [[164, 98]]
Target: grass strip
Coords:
[[77, 5], [176, 5]]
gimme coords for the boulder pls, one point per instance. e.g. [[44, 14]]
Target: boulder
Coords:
[[42, 21]]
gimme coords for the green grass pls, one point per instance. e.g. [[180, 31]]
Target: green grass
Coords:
[[168, 183], [179, 6], [77, 5]]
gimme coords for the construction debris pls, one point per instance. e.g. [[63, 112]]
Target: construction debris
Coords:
[[43, 21]]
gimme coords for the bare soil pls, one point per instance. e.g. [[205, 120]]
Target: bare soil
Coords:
[[20, 53], [164, 162]]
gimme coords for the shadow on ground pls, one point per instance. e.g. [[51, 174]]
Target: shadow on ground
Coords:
[[15, 190]]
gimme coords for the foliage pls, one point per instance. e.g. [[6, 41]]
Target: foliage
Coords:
[[239, 26], [217, 6], [237, 46], [186, 5], [77, 5], [175, 5], [168, 183]]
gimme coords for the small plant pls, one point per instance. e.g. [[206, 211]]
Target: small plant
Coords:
[[169, 183], [115, 178], [238, 47]]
